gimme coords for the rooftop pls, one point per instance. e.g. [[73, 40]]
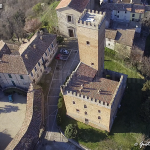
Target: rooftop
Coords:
[[135, 8], [33, 51], [125, 36], [12, 64], [78, 5], [111, 34], [4, 49], [91, 17], [85, 82]]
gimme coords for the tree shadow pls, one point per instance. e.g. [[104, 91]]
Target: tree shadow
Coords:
[[5, 139], [8, 109]]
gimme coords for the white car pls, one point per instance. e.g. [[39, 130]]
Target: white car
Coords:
[[64, 51]]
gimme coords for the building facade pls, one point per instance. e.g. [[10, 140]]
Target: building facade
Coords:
[[89, 96], [30, 63], [67, 13]]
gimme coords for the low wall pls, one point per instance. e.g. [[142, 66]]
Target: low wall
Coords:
[[28, 135]]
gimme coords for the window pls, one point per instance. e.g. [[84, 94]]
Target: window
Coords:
[[125, 12], [86, 121], [85, 106], [85, 113], [49, 49], [73, 102], [69, 18], [132, 19], [21, 77], [77, 110], [99, 117], [42, 59], [99, 111], [9, 75], [108, 44], [87, 43], [41, 70], [31, 74], [71, 32], [133, 15], [45, 54], [92, 63], [117, 16], [35, 69], [118, 11], [52, 45], [39, 63]]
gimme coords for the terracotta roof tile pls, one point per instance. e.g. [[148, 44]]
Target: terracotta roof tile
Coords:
[[78, 5], [125, 36], [63, 3], [4, 49], [111, 34], [12, 64], [31, 55], [84, 76]]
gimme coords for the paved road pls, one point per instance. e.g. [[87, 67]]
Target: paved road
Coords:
[[62, 70]]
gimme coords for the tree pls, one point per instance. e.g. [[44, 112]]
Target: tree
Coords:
[[71, 131], [145, 66], [32, 25]]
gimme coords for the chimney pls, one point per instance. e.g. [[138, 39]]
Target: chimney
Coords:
[[26, 56], [34, 46]]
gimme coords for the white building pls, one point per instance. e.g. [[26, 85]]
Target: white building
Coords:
[[110, 36], [28, 66]]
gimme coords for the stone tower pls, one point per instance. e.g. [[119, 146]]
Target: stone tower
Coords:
[[91, 36]]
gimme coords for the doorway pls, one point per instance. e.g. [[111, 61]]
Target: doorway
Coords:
[[71, 33]]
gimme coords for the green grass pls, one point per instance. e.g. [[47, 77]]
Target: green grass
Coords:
[[49, 17], [127, 129]]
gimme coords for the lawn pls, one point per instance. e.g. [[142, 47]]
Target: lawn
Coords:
[[127, 129]]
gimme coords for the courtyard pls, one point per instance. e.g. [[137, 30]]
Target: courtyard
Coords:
[[11, 117]]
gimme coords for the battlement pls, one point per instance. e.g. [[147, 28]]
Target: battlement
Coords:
[[92, 100], [92, 19]]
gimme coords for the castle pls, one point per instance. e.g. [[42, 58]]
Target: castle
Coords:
[[89, 96]]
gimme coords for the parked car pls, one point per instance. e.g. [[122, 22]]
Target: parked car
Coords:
[[62, 57], [64, 51], [10, 98]]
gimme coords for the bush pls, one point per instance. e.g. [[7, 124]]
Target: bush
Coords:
[[71, 131], [146, 90], [110, 52], [60, 102], [60, 39]]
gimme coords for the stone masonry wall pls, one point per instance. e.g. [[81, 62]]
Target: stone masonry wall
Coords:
[[92, 112], [28, 135]]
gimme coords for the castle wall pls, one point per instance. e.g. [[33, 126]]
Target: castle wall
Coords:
[[92, 112]]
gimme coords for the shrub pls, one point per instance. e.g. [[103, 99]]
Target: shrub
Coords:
[[60, 39], [71, 131], [60, 102], [146, 90]]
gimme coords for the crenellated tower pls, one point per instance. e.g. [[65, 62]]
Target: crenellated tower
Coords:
[[91, 36]]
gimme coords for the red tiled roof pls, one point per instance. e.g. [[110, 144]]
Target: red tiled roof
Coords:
[[110, 34], [78, 5], [63, 3], [12, 64], [85, 76]]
